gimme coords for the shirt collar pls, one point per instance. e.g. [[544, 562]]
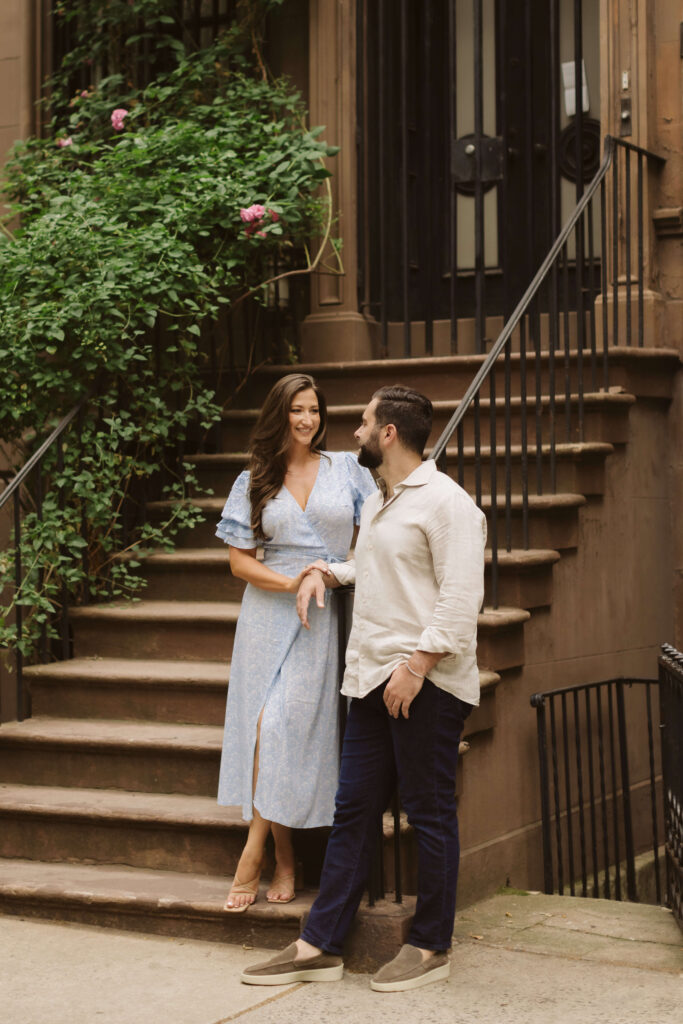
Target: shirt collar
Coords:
[[421, 475]]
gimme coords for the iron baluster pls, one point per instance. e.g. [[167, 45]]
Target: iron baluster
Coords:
[[452, 53], [479, 258], [626, 796], [591, 793], [615, 811], [405, 258], [567, 343], [591, 299], [603, 281], [382, 184], [627, 241], [603, 796], [18, 610], [493, 530], [523, 438], [641, 261], [508, 452], [568, 795], [615, 249], [579, 785], [653, 790], [556, 796]]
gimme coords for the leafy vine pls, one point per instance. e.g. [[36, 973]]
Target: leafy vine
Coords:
[[162, 191]]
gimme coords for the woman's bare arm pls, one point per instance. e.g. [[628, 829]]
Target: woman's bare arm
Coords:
[[245, 566]]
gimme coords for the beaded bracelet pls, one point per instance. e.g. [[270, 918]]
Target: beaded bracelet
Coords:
[[418, 675]]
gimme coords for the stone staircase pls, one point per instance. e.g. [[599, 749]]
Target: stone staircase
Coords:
[[107, 794]]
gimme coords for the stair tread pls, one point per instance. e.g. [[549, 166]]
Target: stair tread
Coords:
[[118, 805], [101, 733], [134, 670], [444, 362], [491, 618], [524, 558], [590, 399], [535, 500], [152, 611], [563, 449], [141, 888]]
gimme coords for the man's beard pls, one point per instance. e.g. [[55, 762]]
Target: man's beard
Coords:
[[369, 455]]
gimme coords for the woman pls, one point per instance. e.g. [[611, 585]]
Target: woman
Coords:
[[280, 748]]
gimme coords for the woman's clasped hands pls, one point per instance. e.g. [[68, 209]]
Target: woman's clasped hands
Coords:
[[312, 584]]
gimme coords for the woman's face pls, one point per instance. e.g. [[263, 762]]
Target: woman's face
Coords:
[[304, 417]]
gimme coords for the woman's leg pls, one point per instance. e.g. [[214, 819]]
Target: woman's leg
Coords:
[[251, 860], [282, 887]]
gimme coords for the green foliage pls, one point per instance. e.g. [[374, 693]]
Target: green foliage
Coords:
[[130, 241]]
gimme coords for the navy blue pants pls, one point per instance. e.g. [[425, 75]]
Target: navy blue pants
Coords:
[[421, 753]]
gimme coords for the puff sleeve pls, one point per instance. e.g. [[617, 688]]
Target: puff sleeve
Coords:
[[234, 527], [361, 483]]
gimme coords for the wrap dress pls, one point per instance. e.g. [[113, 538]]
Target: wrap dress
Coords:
[[277, 665]]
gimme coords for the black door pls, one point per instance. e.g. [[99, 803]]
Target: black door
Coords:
[[459, 171]]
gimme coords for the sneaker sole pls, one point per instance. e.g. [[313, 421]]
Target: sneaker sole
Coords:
[[438, 974], [289, 977]]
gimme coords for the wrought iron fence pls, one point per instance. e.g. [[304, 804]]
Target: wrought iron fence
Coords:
[[671, 702], [550, 361], [600, 777]]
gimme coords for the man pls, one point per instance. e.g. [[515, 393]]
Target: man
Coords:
[[412, 675]]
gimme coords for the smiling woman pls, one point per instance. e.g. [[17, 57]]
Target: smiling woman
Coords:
[[280, 745]]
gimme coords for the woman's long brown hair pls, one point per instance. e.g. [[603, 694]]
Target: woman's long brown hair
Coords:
[[270, 441]]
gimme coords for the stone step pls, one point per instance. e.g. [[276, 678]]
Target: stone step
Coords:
[[644, 372], [525, 574], [190, 574], [579, 467], [189, 630], [552, 518], [150, 757], [500, 637], [605, 418], [169, 832], [144, 900], [154, 690], [186, 630], [525, 578], [187, 906]]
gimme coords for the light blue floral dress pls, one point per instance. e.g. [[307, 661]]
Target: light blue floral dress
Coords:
[[277, 665]]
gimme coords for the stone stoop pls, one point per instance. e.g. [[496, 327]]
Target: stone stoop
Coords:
[[107, 795]]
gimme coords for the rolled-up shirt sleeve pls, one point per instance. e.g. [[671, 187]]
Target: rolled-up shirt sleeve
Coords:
[[456, 533], [344, 572]]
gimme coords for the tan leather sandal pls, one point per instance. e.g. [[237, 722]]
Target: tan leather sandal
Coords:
[[242, 889], [280, 883]]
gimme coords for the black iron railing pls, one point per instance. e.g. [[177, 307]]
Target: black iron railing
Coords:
[[671, 704], [551, 357], [600, 778], [32, 474]]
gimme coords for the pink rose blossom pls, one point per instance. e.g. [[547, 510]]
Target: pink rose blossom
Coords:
[[274, 216], [261, 234], [68, 141], [252, 213], [84, 93], [117, 118]]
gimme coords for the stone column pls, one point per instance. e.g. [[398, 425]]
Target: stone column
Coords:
[[335, 330]]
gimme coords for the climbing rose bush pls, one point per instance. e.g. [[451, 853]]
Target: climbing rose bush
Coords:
[[132, 236]]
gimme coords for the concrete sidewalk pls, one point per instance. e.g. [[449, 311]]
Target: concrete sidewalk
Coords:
[[516, 958]]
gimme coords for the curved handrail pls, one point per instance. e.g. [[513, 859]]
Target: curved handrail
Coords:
[[484, 370]]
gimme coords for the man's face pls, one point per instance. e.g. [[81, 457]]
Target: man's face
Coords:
[[367, 436]]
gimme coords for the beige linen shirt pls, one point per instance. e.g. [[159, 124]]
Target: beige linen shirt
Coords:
[[419, 576]]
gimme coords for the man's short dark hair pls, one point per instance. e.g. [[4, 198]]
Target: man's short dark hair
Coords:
[[409, 411]]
